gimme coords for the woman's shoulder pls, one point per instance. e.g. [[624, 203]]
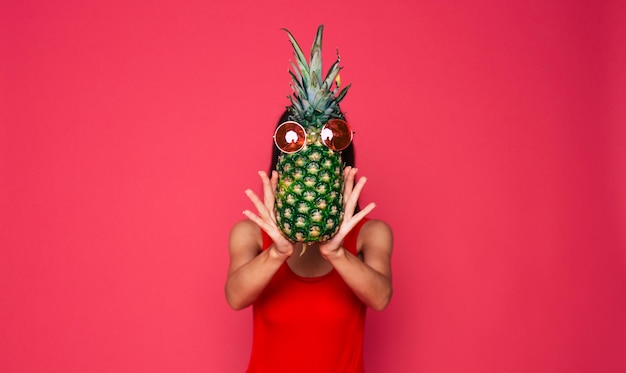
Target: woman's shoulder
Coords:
[[245, 225], [375, 226], [376, 233], [245, 233]]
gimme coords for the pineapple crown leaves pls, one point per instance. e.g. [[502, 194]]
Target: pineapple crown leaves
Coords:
[[314, 98]]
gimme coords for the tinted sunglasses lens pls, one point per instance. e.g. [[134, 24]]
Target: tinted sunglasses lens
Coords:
[[289, 137], [337, 134]]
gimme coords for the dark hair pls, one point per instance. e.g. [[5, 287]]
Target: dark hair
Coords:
[[347, 155]]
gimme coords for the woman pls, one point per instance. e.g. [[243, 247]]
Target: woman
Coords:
[[309, 307]]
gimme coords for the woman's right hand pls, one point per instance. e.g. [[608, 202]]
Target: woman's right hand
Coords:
[[266, 219]]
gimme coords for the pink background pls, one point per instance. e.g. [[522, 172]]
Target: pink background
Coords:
[[492, 134]]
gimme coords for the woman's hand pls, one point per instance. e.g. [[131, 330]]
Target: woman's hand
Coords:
[[351, 193], [266, 219], [252, 268], [369, 277]]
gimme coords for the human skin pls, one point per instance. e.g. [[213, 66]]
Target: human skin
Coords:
[[251, 268]]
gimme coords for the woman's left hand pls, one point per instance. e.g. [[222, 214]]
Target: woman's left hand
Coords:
[[351, 193]]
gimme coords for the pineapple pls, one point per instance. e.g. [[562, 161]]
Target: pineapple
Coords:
[[309, 198]]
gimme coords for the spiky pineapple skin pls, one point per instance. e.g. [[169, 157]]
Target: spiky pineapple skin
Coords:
[[309, 198]]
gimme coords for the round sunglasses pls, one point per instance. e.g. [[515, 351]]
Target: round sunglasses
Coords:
[[290, 136]]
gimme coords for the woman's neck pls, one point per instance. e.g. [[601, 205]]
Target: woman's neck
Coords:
[[308, 262]]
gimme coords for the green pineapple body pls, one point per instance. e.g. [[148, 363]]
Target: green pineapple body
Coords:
[[309, 194]]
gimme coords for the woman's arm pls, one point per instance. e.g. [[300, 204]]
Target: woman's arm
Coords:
[[251, 269], [370, 279]]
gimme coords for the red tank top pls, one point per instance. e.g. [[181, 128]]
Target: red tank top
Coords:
[[307, 325]]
